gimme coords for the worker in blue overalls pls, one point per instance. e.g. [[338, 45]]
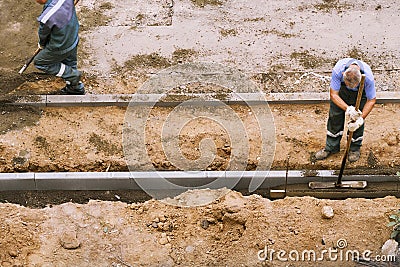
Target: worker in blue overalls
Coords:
[[58, 41], [345, 81]]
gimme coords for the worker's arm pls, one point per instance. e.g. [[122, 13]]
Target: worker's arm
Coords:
[[44, 35], [368, 107], [341, 104], [337, 99]]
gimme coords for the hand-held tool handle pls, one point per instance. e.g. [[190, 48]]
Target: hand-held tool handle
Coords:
[[357, 106], [29, 61], [360, 92]]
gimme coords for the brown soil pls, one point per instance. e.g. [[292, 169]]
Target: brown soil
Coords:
[[83, 139], [229, 231], [19, 32]]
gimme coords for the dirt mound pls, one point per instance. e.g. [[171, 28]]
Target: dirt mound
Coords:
[[230, 231]]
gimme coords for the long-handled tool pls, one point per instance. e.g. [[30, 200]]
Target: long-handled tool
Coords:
[[29, 60], [340, 183]]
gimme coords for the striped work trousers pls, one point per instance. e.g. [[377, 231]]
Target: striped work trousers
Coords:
[[61, 65]]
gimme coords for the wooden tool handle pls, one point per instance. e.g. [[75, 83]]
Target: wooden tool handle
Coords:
[[358, 101], [360, 92]]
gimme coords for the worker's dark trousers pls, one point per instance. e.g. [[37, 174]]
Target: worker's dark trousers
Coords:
[[61, 65], [336, 122]]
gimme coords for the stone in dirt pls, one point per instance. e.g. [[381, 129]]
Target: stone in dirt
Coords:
[[13, 253], [391, 247], [204, 224], [327, 212], [6, 264], [164, 239], [69, 241], [17, 264]]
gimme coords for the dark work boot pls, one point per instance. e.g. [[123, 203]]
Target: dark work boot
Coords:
[[322, 154], [74, 85], [69, 89], [354, 156]]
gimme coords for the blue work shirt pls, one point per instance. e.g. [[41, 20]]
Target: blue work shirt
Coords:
[[337, 77], [59, 26]]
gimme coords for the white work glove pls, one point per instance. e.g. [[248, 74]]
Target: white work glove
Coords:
[[352, 114], [354, 125], [40, 46]]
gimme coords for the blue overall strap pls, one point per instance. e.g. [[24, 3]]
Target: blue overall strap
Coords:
[[352, 61]]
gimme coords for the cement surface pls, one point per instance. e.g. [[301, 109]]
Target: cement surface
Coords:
[[249, 35], [142, 99]]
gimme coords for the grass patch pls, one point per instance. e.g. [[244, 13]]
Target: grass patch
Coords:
[[203, 3], [278, 33], [182, 55], [104, 146], [308, 60], [327, 6], [358, 54], [106, 6], [138, 62], [330, 5], [254, 19], [92, 18], [228, 32]]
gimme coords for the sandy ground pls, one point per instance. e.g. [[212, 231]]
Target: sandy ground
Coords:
[[122, 45], [229, 232], [90, 141]]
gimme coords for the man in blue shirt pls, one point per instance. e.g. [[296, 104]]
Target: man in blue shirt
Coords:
[[58, 41], [346, 77]]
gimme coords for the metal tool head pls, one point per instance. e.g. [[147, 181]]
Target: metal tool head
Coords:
[[23, 69], [344, 184]]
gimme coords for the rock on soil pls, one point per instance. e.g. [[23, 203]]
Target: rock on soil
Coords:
[[327, 212], [69, 241], [391, 247]]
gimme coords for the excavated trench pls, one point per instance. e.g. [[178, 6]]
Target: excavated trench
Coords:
[[90, 139], [74, 148], [71, 139]]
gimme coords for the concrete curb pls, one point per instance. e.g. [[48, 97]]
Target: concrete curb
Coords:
[[127, 180], [173, 100]]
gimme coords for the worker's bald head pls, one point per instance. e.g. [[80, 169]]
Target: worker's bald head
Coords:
[[352, 76]]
